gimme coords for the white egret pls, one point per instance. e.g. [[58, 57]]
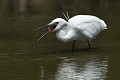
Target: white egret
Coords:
[[79, 27]]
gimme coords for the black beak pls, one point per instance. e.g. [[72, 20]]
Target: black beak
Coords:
[[44, 33], [50, 28], [42, 36], [42, 27]]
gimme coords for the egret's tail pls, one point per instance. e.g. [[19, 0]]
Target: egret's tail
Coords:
[[103, 24]]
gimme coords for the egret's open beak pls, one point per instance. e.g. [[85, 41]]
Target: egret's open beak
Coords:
[[50, 27], [42, 36], [46, 26], [42, 27]]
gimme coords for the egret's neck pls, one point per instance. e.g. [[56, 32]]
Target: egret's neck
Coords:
[[63, 32]]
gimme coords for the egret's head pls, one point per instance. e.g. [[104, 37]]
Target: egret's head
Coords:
[[56, 25]]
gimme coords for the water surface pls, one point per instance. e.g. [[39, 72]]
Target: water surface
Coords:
[[22, 58]]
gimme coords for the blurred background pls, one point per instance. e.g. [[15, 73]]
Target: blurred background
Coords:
[[18, 18], [22, 58]]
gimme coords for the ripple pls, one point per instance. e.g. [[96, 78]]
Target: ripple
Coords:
[[82, 70]]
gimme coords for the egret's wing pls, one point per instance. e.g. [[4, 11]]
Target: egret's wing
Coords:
[[89, 29], [86, 25], [82, 19]]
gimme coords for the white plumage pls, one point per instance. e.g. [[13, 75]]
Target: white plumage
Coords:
[[80, 27]]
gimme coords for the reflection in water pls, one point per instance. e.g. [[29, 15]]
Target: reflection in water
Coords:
[[91, 70], [42, 73]]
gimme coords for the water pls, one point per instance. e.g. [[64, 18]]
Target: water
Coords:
[[22, 58]]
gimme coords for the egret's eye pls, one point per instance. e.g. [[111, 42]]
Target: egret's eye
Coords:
[[56, 23]]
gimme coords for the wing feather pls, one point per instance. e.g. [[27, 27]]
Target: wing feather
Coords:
[[87, 25]]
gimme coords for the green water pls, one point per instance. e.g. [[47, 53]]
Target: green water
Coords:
[[22, 58]]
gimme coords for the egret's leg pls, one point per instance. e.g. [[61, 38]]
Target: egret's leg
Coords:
[[73, 46], [89, 41]]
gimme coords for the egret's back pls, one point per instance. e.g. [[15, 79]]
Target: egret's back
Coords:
[[80, 19], [87, 26]]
